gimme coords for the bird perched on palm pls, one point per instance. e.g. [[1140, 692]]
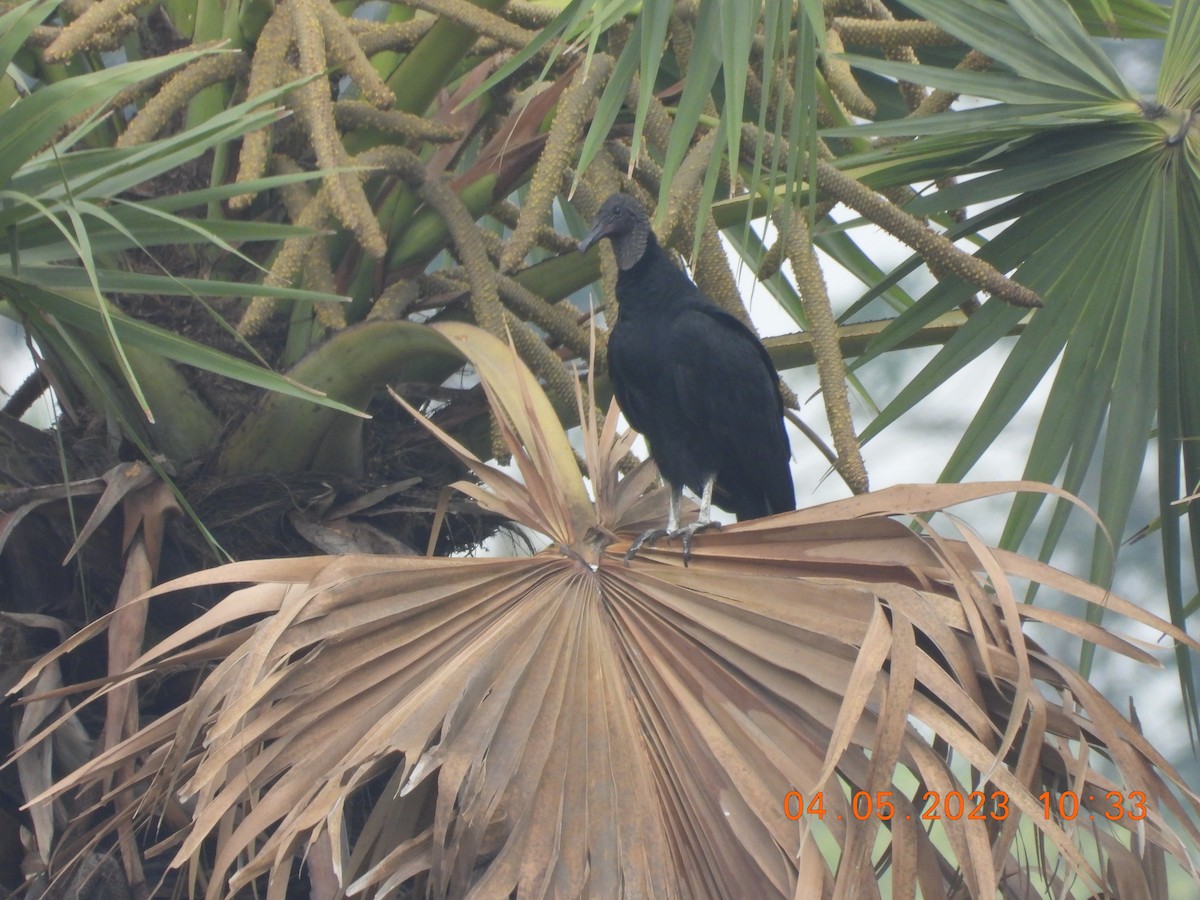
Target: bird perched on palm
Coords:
[[695, 382]]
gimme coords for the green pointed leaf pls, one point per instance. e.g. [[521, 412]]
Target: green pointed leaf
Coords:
[[1057, 26], [1002, 86], [738, 24], [612, 99], [117, 282], [1179, 78], [1003, 32], [83, 314], [1129, 18], [702, 73], [651, 37], [567, 25], [18, 23], [31, 122]]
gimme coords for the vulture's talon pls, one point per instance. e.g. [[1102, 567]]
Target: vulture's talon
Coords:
[[646, 537], [687, 533]]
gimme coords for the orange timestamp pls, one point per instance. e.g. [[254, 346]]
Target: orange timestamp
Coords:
[[1117, 805], [973, 806]]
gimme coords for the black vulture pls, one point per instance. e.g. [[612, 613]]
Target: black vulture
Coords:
[[694, 380]]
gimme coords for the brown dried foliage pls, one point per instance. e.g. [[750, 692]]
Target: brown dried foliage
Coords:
[[563, 724]]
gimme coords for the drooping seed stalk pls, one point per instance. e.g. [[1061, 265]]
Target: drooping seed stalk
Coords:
[[822, 326]]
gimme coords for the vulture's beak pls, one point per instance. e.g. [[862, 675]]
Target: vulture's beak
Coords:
[[599, 230]]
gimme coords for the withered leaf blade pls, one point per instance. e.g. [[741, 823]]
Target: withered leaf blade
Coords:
[[554, 729], [568, 725]]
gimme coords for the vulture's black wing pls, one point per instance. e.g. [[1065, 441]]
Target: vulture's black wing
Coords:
[[727, 391]]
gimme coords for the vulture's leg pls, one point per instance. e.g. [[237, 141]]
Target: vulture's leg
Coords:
[[649, 537], [673, 530], [703, 521], [706, 502]]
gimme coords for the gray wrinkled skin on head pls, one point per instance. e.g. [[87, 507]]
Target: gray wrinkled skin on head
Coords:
[[623, 221], [629, 247]]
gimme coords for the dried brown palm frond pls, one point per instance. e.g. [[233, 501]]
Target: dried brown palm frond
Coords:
[[566, 725]]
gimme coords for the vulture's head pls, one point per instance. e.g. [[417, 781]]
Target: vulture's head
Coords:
[[623, 221]]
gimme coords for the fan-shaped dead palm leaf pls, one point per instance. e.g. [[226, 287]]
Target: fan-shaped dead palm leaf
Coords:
[[757, 723]]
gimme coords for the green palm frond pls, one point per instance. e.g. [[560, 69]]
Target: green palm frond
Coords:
[[64, 221], [1104, 209]]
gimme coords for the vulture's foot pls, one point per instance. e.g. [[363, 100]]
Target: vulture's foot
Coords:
[[686, 533], [646, 537]]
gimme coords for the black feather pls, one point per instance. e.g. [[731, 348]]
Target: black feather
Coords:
[[691, 378]]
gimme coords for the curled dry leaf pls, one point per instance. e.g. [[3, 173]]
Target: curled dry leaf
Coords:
[[567, 725]]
